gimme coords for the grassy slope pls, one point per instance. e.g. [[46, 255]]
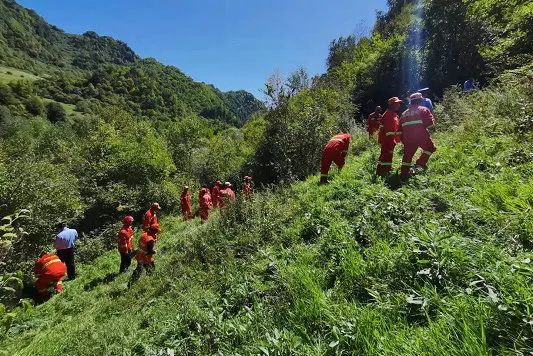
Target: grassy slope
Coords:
[[8, 74], [439, 266]]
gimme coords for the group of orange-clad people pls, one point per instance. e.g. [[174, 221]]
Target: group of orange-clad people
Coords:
[[411, 129], [218, 197], [51, 270]]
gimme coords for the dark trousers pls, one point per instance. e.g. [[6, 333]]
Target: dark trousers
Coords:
[[67, 256], [125, 261], [137, 272]]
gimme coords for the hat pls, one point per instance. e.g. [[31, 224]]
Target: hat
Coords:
[[394, 100], [423, 89], [227, 184], [416, 96], [186, 187], [128, 219], [156, 206]]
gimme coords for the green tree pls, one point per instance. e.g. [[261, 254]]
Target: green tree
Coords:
[[34, 105], [55, 112]]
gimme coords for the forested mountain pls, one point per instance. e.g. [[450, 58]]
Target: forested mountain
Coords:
[[81, 68], [438, 265], [27, 41]]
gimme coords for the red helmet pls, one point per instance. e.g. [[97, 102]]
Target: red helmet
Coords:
[[128, 220]]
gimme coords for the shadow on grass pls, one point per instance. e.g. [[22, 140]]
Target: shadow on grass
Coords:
[[104, 280]]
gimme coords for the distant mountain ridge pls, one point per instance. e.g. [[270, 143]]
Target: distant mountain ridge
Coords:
[[28, 42]]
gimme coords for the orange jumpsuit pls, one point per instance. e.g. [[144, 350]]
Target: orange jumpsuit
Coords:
[[205, 204], [227, 195], [185, 203], [50, 271], [414, 123], [150, 218], [389, 136], [374, 120], [247, 189], [334, 151], [215, 195], [145, 252], [125, 239]]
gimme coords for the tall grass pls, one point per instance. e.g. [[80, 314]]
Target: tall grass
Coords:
[[441, 265]]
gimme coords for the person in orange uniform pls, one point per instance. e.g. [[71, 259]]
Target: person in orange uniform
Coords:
[[335, 151], [374, 121], [150, 217], [145, 252], [50, 271], [215, 194], [125, 243], [389, 136], [185, 202], [227, 195], [415, 122], [205, 203], [247, 187]]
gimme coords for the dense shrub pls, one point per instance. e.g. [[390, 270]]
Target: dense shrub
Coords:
[[55, 112]]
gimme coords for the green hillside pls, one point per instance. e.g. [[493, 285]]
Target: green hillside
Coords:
[[438, 266], [89, 67]]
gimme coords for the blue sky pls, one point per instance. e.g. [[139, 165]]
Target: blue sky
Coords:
[[233, 44]]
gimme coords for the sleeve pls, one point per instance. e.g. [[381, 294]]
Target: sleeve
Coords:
[[428, 119], [146, 221]]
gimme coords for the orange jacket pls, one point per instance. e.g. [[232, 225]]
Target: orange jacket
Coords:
[[146, 248], [150, 218], [374, 120], [339, 144], [125, 239], [215, 195], [50, 265], [185, 201], [247, 189], [414, 123], [205, 201], [227, 195], [390, 127]]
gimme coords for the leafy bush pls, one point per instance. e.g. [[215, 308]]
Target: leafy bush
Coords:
[[55, 112]]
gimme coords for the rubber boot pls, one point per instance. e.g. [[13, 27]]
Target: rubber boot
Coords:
[[323, 179]]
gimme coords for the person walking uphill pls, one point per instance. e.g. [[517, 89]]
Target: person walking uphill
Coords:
[[64, 244], [415, 122], [145, 253], [374, 120], [215, 194], [50, 271], [247, 187], [334, 151], [185, 203], [150, 217], [389, 136], [205, 204], [227, 195], [125, 243]]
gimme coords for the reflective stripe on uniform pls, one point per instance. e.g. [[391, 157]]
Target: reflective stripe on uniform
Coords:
[[50, 262], [337, 140], [392, 133], [384, 163], [405, 164], [323, 175], [414, 122], [427, 153]]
